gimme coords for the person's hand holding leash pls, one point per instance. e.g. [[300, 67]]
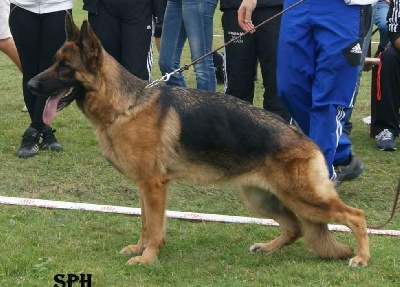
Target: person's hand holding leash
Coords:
[[244, 15]]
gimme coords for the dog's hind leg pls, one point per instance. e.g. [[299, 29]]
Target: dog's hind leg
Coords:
[[153, 192], [303, 185], [264, 203], [317, 237], [316, 204]]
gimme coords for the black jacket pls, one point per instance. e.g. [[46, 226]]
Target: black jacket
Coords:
[[235, 4]]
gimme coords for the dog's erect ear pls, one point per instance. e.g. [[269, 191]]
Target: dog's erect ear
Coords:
[[91, 49], [71, 29]]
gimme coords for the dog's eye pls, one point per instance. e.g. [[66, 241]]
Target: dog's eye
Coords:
[[65, 71]]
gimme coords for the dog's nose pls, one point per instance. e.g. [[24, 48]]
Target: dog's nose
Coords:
[[34, 86]]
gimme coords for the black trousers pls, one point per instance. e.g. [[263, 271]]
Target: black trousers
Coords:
[[388, 104], [242, 57], [124, 28], [37, 38]]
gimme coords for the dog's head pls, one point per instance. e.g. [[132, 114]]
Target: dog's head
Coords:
[[73, 71]]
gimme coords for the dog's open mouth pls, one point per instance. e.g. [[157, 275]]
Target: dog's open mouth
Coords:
[[57, 103]]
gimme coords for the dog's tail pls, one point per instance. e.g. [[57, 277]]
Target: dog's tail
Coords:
[[319, 239]]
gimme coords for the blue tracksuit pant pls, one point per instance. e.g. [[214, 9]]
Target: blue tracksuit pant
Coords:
[[319, 53]]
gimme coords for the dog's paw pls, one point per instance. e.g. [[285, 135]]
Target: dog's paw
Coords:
[[141, 260], [131, 249], [260, 247], [358, 261]]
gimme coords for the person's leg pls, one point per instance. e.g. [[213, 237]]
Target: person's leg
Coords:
[[296, 63], [266, 38], [318, 96], [52, 38], [198, 17], [348, 125], [387, 109], [336, 75], [172, 42], [240, 58], [347, 165], [25, 27], [136, 31], [106, 26]]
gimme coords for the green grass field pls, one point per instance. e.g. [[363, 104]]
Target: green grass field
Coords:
[[39, 243]]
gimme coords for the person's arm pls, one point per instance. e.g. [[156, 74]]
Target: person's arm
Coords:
[[396, 44], [159, 7], [244, 14], [159, 10], [7, 46]]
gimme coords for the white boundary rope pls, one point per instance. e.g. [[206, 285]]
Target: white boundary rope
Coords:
[[51, 204]]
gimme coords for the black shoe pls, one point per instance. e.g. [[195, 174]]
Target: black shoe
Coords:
[[30, 143], [351, 171], [49, 141]]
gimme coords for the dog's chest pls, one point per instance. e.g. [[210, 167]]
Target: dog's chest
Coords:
[[107, 147]]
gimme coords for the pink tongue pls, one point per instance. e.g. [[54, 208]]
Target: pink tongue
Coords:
[[50, 109]]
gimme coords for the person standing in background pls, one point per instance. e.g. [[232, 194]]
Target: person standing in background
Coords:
[[319, 53], [38, 29], [192, 20], [386, 125], [242, 55], [158, 17], [348, 125], [379, 14], [124, 28]]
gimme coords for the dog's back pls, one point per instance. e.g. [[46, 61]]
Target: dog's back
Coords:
[[224, 132]]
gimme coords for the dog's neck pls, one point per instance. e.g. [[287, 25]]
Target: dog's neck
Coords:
[[118, 91]]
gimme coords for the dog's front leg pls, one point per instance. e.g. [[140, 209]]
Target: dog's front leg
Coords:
[[153, 192], [141, 244]]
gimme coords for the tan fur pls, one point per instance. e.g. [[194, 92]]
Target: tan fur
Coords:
[[145, 142]]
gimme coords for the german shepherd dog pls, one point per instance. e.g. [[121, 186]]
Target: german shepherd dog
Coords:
[[156, 134]]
